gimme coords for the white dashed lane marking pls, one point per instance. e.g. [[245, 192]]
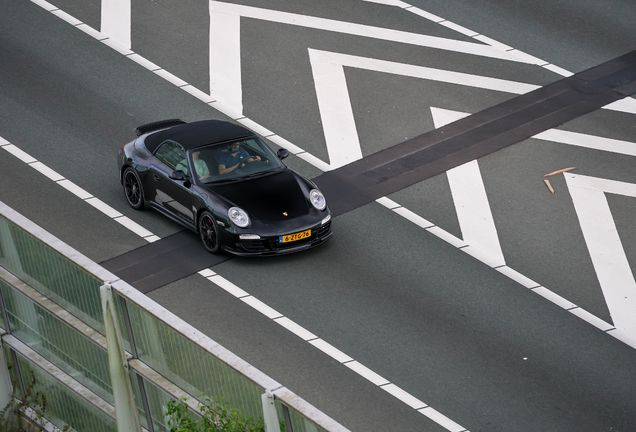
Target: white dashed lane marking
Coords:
[[78, 191]]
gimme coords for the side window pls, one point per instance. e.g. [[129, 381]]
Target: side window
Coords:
[[173, 155]]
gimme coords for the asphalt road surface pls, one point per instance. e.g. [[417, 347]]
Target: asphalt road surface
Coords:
[[472, 300]]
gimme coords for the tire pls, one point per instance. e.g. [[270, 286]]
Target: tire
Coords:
[[133, 190], [209, 233]]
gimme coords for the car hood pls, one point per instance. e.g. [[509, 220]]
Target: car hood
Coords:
[[270, 198]]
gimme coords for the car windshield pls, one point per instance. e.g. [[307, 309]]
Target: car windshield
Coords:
[[234, 161]]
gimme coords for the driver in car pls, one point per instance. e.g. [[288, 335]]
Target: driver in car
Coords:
[[237, 156]]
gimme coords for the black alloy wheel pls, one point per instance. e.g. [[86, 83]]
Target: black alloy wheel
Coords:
[[132, 189], [209, 232]]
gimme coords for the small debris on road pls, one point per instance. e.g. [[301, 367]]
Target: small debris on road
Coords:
[[547, 183], [560, 171]]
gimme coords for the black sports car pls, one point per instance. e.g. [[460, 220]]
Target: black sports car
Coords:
[[222, 181]]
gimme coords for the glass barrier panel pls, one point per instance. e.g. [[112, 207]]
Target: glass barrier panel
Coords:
[[158, 403], [120, 319], [138, 398], [51, 273], [63, 403], [3, 325], [58, 343], [298, 421], [189, 366], [12, 371]]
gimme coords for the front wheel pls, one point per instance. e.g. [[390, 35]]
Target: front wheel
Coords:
[[132, 189], [209, 233]]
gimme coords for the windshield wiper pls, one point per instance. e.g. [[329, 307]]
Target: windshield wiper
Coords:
[[256, 174], [228, 180], [247, 176]]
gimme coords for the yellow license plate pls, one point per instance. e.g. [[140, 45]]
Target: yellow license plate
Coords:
[[294, 237]]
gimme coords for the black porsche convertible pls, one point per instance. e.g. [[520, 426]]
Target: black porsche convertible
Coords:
[[222, 181]]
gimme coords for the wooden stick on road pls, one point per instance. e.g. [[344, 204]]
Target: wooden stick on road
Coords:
[[560, 171], [547, 183]]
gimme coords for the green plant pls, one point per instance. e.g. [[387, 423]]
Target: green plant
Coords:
[[216, 416], [13, 417]]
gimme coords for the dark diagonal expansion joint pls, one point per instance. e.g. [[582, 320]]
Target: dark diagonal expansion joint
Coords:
[[480, 134]]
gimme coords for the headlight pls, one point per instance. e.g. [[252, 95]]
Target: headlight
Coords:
[[317, 199], [239, 217]]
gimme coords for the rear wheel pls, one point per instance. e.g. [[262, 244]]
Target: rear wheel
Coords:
[[132, 189], [209, 232]]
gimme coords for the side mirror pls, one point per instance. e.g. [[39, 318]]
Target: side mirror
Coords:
[[178, 175], [282, 153]]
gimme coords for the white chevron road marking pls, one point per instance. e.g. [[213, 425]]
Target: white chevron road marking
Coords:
[[604, 244]]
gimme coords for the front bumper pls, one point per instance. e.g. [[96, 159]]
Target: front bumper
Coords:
[[267, 246]]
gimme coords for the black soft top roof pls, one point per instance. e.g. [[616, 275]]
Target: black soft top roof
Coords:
[[196, 134]]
